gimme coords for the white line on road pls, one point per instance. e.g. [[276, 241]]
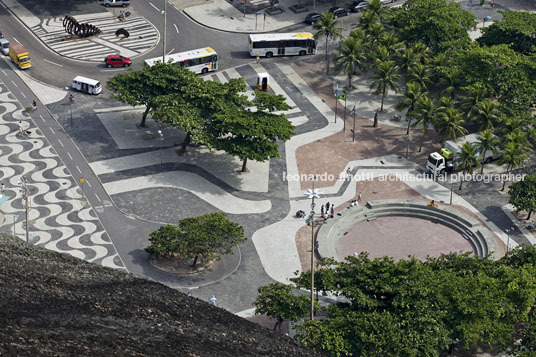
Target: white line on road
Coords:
[[97, 197], [15, 84], [59, 141], [112, 70], [150, 3], [88, 183], [4, 6], [14, 39], [78, 169], [176, 28], [52, 130], [40, 116], [56, 64], [70, 157], [23, 94], [5, 74], [167, 54]]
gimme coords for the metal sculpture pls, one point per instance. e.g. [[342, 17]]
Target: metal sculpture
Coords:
[[72, 27], [122, 32]]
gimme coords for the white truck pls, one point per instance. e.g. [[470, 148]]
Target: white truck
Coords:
[[442, 162]]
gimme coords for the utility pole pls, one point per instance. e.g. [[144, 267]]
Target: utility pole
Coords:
[[25, 192], [165, 30], [71, 102], [312, 193]]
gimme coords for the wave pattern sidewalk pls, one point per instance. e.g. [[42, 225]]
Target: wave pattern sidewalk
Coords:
[[142, 37], [59, 218]]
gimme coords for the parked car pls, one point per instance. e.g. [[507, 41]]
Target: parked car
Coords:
[[361, 6], [312, 18], [4, 46], [123, 3], [339, 11], [117, 61], [354, 4], [385, 2], [1, 36]]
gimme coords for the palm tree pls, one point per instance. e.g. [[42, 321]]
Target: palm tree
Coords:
[[466, 159], [425, 113], [423, 52], [439, 63], [450, 124], [444, 104], [486, 113], [451, 82], [486, 142], [420, 73], [375, 33], [392, 43], [385, 78], [412, 94], [514, 156], [382, 54], [511, 125], [358, 33], [407, 60], [328, 27], [351, 55], [367, 20], [475, 94], [380, 11]]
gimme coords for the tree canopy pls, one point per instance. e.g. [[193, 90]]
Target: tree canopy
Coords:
[[516, 29], [523, 194]]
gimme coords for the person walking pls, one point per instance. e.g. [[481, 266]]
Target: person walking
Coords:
[[2, 188], [213, 300], [21, 129], [332, 210], [359, 197], [34, 105], [327, 207], [322, 210], [491, 4]]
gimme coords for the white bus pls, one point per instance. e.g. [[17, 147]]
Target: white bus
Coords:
[[201, 60], [280, 44]]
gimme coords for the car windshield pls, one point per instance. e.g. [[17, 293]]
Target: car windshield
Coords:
[[432, 160], [6, 45]]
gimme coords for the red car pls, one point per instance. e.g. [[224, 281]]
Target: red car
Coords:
[[117, 61]]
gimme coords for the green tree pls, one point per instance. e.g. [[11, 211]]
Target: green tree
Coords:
[[420, 73], [277, 301], [367, 20], [466, 159], [145, 86], [439, 24], [381, 12], [425, 113], [450, 124], [523, 194], [475, 94], [451, 82], [385, 78], [412, 94], [329, 28], [516, 29], [208, 236], [406, 61], [486, 114], [487, 142], [253, 134], [423, 52], [513, 154], [351, 56], [164, 241]]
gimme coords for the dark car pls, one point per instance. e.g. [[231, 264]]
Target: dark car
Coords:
[[117, 61], [354, 7], [311, 18], [339, 11]]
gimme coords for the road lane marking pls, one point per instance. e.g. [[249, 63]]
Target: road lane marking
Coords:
[[40, 116], [97, 197], [167, 54], [15, 84], [112, 70], [56, 64], [23, 94], [59, 141], [5, 74], [150, 3], [78, 169], [3, 5], [176, 28], [70, 157], [52, 130], [15, 39], [88, 183]]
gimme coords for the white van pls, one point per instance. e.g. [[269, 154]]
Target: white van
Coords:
[[86, 85], [123, 3], [4, 46]]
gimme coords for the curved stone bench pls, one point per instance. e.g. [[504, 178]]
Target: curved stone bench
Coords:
[[480, 237]]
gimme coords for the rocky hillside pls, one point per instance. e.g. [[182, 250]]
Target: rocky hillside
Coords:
[[54, 304]]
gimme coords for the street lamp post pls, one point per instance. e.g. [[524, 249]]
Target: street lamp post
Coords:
[[71, 101], [353, 130], [508, 231], [450, 190], [344, 125], [165, 30], [161, 144], [312, 194], [25, 192]]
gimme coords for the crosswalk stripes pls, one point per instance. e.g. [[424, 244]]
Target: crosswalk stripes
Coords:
[[142, 37]]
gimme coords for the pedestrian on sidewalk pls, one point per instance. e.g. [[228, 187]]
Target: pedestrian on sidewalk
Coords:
[[375, 120], [332, 210], [2, 188], [322, 210], [359, 197], [491, 4], [327, 207], [21, 130], [213, 300], [34, 105]]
